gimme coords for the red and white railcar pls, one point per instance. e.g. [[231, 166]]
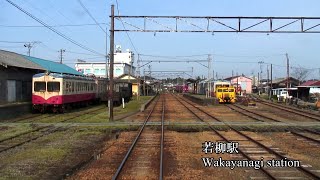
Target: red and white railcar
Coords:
[[56, 91]]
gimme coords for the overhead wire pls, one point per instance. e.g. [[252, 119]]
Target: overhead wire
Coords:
[[58, 25], [54, 30], [17, 42], [88, 12], [135, 49]]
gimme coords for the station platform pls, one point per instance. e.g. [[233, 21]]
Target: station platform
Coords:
[[12, 110]]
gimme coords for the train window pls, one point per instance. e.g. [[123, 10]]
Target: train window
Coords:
[[96, 71], [219, 90], [231, 90], [53, 86], [39, 86], [68, 87], [225, 90]]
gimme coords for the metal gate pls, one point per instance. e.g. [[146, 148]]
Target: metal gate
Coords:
[[11, 84]]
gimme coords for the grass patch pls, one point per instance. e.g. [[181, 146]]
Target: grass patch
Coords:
[[15, 130], [103, 117]]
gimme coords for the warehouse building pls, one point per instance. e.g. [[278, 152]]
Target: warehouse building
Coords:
[[16, 71]]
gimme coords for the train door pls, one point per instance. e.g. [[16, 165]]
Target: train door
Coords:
[[11, 84]]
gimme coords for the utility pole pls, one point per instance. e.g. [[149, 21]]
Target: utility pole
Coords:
[[144, 82], [238, 85], [271, 81], [287, 71], [209, 78], [232, 74], [213, 74], [287, 77], [268, 81], [260, 62], [61, 54], [258, 83], [149, 79], [138, 74], [107, 55], [111, 64], [29, 46], [192, 72]]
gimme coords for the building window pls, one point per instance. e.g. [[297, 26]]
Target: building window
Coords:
[[87, 71], [102, 71]]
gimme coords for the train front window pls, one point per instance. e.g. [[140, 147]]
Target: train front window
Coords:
[[53, 86], [39, 86]]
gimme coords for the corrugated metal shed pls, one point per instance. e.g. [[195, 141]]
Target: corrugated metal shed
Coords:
[[8, 58], [53, 66], [13, 59]]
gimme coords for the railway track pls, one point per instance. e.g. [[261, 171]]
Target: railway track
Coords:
[[28, 136], [261, 150], [249, 114], [137, 158], [296, 111]]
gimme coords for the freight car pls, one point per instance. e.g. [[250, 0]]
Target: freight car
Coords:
[[54, 92]]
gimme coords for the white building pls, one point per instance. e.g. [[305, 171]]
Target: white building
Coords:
[[122, 65]]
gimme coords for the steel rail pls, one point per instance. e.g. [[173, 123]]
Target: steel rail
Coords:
[[301, 168], [244, 114], [306, 137], [115, 176], [259, 100], [295, 133], [38, 129], [162, 139], [257, 114], [221, 136], [290, 110]]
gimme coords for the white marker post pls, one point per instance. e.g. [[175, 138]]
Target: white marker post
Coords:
[[122, 103]]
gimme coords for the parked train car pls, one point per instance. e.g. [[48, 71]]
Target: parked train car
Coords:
[[226, 94], [54, 92], [181, 88], [122, 89]]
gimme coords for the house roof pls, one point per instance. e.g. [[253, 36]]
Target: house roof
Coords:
[[280, 80], [18, 60], [123, 75], [8, 58], [232, 77], [311, 83]]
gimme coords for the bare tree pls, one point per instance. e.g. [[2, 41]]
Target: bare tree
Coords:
[[300, 73]]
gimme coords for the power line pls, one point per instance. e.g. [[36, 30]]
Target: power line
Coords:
[[54, 30], [16, 42], [59, 25], [87, 11], [173, 56], [80, 53], [125, 28]]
